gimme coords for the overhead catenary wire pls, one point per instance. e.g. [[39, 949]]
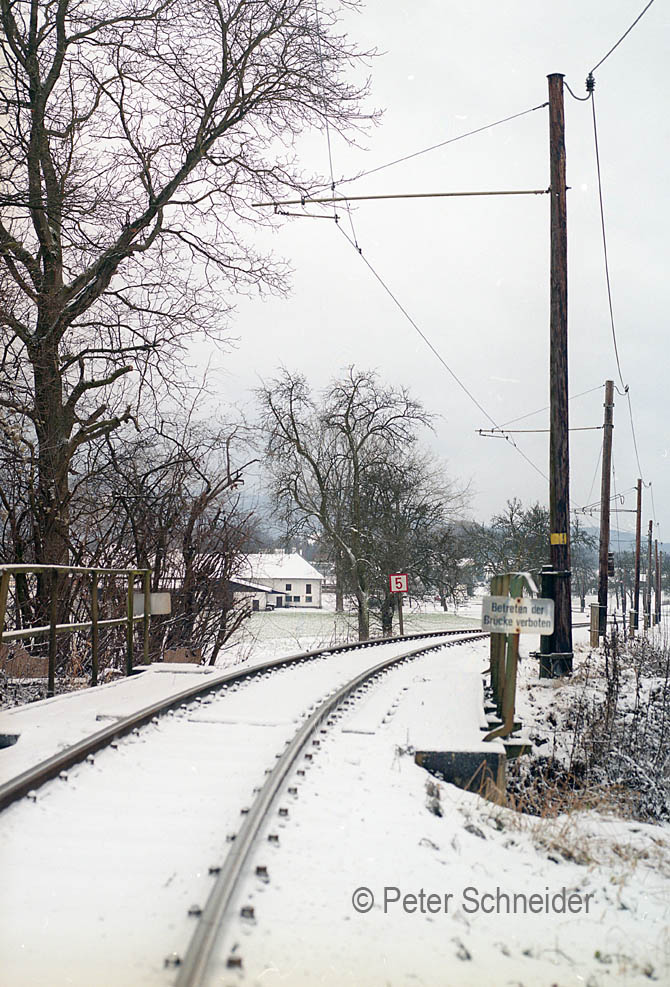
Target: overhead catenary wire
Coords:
[[436, 352], [624, 35], [653, 505], [571, 397], [604, 239], [632, 428], [435, 147], [626, 389], [330, 147], [595, 474], [618, 536]]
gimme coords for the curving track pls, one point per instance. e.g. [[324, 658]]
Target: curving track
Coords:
[[127, 856]]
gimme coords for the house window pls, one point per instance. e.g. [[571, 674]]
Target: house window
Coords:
[[296, 599], [308, 588], [288, 587], [308, 599]]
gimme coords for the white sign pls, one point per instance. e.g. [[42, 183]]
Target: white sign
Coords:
[[399, 582], [160, 603], [520, 615]]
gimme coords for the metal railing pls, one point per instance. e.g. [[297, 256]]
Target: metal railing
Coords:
[[52, 629]]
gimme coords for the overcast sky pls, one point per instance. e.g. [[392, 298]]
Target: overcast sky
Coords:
[[474, 273]]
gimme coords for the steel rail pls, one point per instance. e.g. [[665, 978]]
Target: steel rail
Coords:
[[32, 778], [193, 968]]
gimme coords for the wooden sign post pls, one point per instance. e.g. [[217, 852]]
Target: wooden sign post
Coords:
[[399, 584]]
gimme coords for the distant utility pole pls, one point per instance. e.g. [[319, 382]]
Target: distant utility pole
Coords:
[[608, 426], [660, 591], [638, 539], [647, 587], [560, 659]]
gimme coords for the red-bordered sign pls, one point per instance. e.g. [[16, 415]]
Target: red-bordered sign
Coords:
[[398, 582]]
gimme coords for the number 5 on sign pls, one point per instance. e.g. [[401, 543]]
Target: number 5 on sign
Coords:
[[398, 582]]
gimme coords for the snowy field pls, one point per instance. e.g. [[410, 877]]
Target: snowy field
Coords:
[[277, 633]]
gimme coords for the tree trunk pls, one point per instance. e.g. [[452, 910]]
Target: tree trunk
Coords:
[[387, 616], [363, 613], [339, 583], [53, 427]]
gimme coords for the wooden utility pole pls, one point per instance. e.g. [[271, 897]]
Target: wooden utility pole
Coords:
[[647, 585], [559, 456], [638, 538], [605, 506], [657, 587]]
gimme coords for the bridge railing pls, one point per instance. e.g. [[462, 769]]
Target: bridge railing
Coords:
[[53, 629]]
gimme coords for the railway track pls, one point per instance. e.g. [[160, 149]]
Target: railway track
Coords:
[[188, 770], [44, 771], [196, 966]]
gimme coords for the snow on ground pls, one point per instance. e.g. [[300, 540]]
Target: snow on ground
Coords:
[[99, 871], [363, 827], [367, 817], [285, 631]]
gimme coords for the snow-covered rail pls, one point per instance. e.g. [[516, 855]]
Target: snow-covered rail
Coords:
[[117, 852], [35, 776], [196, 967]]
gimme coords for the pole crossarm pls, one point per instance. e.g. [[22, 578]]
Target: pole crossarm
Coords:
[[329, 200]]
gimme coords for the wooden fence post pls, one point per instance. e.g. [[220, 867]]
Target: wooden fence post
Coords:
[[94, 629], [129, 624], [147, 613], [53, 616]]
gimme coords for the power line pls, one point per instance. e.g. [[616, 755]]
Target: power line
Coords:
[[435, 147], [602, 225], [582, 99], [624, 35], [653, 505], [595, 474], [330, 149], [531, 414], [618, 534], [632, 428], [609, 286], [436, 352]]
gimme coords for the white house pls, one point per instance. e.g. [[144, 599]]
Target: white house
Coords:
[[292, 580]]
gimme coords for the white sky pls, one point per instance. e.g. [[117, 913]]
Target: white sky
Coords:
[[474, 273]]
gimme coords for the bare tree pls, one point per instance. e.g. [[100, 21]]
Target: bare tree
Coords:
[[135, 135], [410, 506], [173, 504], [325, 455]]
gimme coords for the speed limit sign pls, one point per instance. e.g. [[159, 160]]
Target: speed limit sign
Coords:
[[398, 582]]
